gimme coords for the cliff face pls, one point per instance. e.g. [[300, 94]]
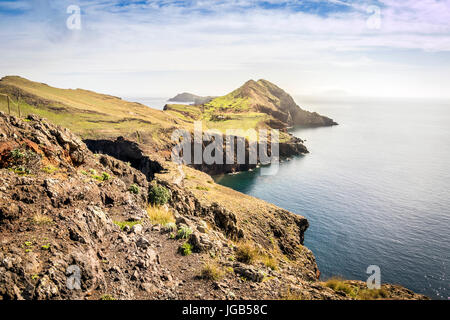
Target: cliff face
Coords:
[[77, 225], [62, 209], [100, 119]]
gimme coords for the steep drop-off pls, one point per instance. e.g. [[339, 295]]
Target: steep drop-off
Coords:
[[66, 213]]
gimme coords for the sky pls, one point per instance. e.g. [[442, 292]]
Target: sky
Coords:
[[158, 48]]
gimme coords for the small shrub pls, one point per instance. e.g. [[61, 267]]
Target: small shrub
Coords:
[[171, 227], [17, 154], [160, 216], [49, 169], [46, 246], [184, 232], [202, 188], [211, 271], [123, 224], [185, 249], [246, 253], [134, 189], [105, 176], [158, 195], [28, 243], [107, 297]]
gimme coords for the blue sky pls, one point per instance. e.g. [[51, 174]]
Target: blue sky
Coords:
[[157, 48]]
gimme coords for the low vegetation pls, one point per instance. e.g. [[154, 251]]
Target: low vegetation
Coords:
[[41, 219], [270, 262], [247, 253], [170, 227], [211, 271], [184, 232], [338, 284], [134, 189], [159, 215], [49, 169], [123, 224], [158, 195], [185, 249]]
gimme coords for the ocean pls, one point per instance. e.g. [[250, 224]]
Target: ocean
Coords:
[[375, 189]]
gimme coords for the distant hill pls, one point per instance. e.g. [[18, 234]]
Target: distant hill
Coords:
[[255, 105], [265, 97], [189, 97], [90, 114]]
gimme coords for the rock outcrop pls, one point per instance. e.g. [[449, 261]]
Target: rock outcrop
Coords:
[[77, 225]]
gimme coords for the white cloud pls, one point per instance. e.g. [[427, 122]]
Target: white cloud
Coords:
[[154, 49]]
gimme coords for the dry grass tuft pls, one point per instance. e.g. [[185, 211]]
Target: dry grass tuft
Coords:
[[159, 215], [247, 253], [211, 271], [42, 219]]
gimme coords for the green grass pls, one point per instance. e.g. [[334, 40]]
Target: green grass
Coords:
[[86, 113], [337, 284], [158, 195], [202, 188], [107, 297], [228, 102], [49, 169], [134, 189], [184, 232], [186, 249], [123, 224]]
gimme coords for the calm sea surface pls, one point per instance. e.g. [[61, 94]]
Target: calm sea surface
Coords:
[[375, 189]]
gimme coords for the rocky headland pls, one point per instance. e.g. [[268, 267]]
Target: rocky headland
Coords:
[[79, 225], [92, 207]]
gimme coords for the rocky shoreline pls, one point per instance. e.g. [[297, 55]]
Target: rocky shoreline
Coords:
[[67, 213]]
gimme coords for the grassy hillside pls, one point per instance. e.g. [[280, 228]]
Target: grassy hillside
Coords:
[[87, 113], [94, 115]]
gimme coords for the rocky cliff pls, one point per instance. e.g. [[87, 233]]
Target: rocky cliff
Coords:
[[267, 98], [78, 225]]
